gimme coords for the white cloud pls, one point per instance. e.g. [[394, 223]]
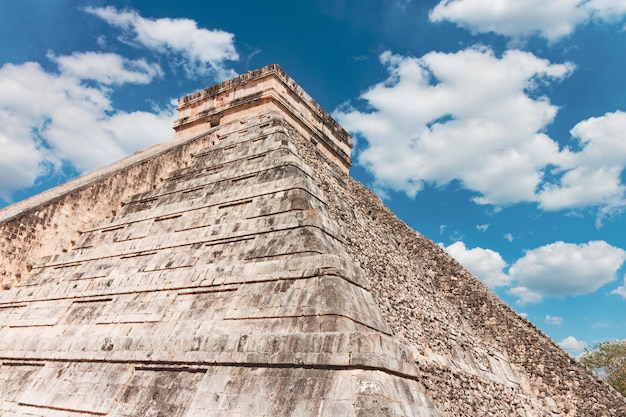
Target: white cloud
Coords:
[[101, 41], [607, 10], [621, 291], [66, 118], [561, 269], [107, 68], [592, 176], [482, 227], [552, 19], [48, 119], [556, 320], [466, 116], [555, 270], [21, 163], [205, 51], [486, 264], [508, 237], [525, 296], [473, 117], [572, 345]]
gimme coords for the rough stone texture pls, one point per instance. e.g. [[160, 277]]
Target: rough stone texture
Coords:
[[254, 92], [51, 222], [256, 278]]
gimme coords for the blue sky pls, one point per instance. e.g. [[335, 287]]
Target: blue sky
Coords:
[[497, 128]]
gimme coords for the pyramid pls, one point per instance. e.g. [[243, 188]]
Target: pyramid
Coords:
[[239, 271]]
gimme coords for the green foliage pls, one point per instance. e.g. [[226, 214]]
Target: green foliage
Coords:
[[608, 359]]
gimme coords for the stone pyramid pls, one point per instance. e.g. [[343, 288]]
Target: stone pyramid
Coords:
[[239, 271]]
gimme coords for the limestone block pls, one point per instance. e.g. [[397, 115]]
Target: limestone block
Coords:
[[137, 308], [42, 313], [78, 387], [14, 378], [157, 392]]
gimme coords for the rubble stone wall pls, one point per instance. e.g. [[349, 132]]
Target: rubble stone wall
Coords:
[[478, 357]]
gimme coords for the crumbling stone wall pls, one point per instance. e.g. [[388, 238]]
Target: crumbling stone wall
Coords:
[[454, 323], [51, 222]]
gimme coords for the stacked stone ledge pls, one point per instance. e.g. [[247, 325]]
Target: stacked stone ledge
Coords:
[[251, 276]]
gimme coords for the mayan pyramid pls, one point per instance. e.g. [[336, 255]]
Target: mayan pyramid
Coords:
[[238, 270]]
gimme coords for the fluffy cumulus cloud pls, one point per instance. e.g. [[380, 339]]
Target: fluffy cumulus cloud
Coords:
[[476, 117], [204, 51], [552, 19], [555, 270], [621, 291], [486, 264], [572, 345], [555, 320], [593, 176], [49, 119], [66, 117], [107, 68], [561, 269], [468, 115]]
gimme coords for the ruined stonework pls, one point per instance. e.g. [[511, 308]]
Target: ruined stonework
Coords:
[[239, 271]]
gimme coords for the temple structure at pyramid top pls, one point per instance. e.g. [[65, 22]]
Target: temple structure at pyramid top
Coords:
[[255, 92], [238, 270]]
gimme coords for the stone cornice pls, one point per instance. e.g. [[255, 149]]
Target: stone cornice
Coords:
[[267, 86]]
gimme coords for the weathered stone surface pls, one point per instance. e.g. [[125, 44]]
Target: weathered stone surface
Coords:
[[241, 272]]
